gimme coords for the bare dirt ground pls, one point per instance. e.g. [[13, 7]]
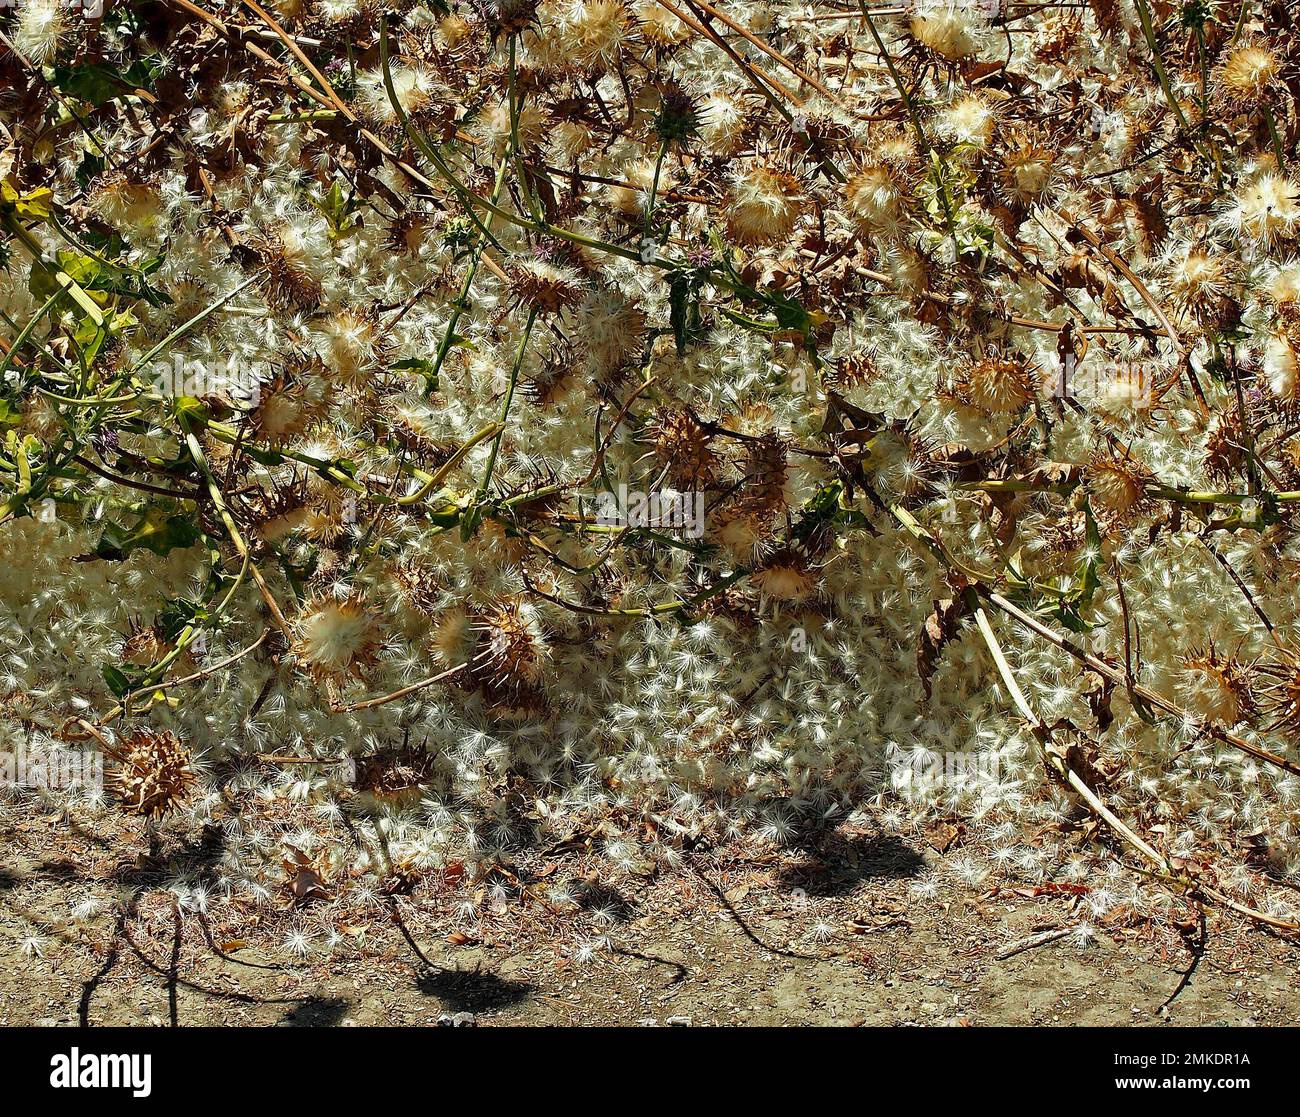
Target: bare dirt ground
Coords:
[[828, 934]]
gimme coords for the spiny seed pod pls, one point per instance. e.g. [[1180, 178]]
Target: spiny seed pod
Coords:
[[784, 577], [337, 638], [1250, 73], [764, 205], [1281, 694], [678, 117], [408, 231], [509, 17], [418, 587], [513, 655], [997, 385], [545, 287], [765, 469], [293, 275], [1225, 449], [1117, 485], [685, 448], [152, 775], [852, 371], [1217, 687], [397, 774]]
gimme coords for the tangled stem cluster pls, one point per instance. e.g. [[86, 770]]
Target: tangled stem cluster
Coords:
[[431, 430]]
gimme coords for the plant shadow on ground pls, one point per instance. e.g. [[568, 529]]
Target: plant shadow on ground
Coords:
[[316, 1012], [473, 990], [836, 865], [193, 860]]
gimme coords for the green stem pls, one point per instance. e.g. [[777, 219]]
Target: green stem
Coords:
[[510, 396]]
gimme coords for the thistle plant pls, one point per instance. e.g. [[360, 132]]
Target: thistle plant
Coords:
[[328, 327]]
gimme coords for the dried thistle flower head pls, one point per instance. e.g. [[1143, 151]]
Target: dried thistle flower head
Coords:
[[41, 24], [1225, 449], [336, 639], [1026, 172], [1217, 687], [545, 287], [145, 645], [124, 203], [512, 16], [395, 775], [1280, 368], [875, 197], [684, 448], [1267, 210], [657, 25], [1280, 693], [582, 36], [950, 31], [293, 267], [611, 329], [289, 404], [1250, 72], [418, 586], [969, 120], [152, 775], [997, 384], [416, 89], [723, 121], [1117, 484], [764, 205], [785, 577], [514, 656], [1126, 390], [354, 346], [1200, 288], [1283, 286], [852, 371]]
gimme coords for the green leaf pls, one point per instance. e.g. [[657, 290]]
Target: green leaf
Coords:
[[123, 680], [684, 308], [179, 614], [339, 210], [117, 681], [422, 366], [159, 530], [37, 204], [191, 410], [98, 84]]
